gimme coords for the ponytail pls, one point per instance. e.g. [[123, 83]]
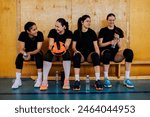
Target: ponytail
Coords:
[[80, 24], [80, 20]]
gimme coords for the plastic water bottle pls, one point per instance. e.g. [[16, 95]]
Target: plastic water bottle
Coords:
[[57, 78], [87, 83], [25, 55], [113, 46]]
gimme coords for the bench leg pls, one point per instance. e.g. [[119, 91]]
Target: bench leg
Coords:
[[118, 72]]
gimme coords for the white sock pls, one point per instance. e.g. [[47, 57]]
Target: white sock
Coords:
[[97, 75], [39, 76], [77, 77], [18, 75], [66, 66], [105, 74], [127, 74], [46, 69]]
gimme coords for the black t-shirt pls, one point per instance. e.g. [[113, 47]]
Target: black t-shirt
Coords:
[[31, 43], [57, 37], [108, 35], [84, 41]]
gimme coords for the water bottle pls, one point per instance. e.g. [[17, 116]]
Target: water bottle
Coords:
[[25, 55], [113, 46], [57, 78], [87, 83]]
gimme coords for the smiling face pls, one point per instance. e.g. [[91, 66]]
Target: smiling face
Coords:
[[59, 28], [86, 23], [33, 31], [111, 21]]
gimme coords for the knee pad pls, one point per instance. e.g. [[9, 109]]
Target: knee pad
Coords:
[[48, 56], [95, 59], [76, 60], [106, 57], [19, 61], [128, 55], [66, 56]]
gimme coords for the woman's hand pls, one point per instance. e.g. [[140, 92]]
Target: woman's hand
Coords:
[[75, 52], [116, 36], [26, 56], [114, 41]]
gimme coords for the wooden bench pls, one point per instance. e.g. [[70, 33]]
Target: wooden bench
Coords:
[[83, 64], [117, 65]]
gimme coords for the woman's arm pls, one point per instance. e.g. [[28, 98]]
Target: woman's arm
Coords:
[[96, 47], [101, 44], [67, 43], [39, 46], [74, 46], [22, 47], [51, 43]]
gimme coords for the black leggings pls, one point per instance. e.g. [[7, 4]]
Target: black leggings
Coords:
[[49, 56], [109, 55], [77, 59], [37, 57]]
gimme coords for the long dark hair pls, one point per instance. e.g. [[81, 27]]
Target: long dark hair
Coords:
[[80, 20], [63, 23]]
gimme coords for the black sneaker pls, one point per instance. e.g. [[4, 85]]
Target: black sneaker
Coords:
[[76, 85], [98, 85]]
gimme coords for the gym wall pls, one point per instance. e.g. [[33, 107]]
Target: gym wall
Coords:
[[133, 17]]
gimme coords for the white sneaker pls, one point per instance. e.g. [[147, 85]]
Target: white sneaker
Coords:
[[16, 84], [38, 83]]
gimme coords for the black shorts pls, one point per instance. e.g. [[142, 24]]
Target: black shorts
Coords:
[[112, 53]]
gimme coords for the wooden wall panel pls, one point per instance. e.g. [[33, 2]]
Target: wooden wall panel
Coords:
[[139, 29], [133, 17], [7, 37]]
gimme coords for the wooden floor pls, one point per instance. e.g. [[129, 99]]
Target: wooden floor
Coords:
[[55, 92]]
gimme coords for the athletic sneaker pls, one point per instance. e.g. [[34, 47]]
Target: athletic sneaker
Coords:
[[98, 85], [128, 83], [107, 83], [44, 86], [76, 85], [16, 84], [66, 84], [38, 83]]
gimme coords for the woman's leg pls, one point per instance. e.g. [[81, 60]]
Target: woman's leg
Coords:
[[95, 58], [126, 54], [19, 66], [47, 64], [77, 59], [66, 66], [106, 58], [39, 65]]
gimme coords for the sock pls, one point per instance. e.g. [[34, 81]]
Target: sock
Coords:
[[39, 76], [46, 69], [127, 74], [97, 75], [77, 77], [105, 74], [66, 66], [18, 75]]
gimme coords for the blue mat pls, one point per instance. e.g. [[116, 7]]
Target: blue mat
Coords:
[[55, 92]]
